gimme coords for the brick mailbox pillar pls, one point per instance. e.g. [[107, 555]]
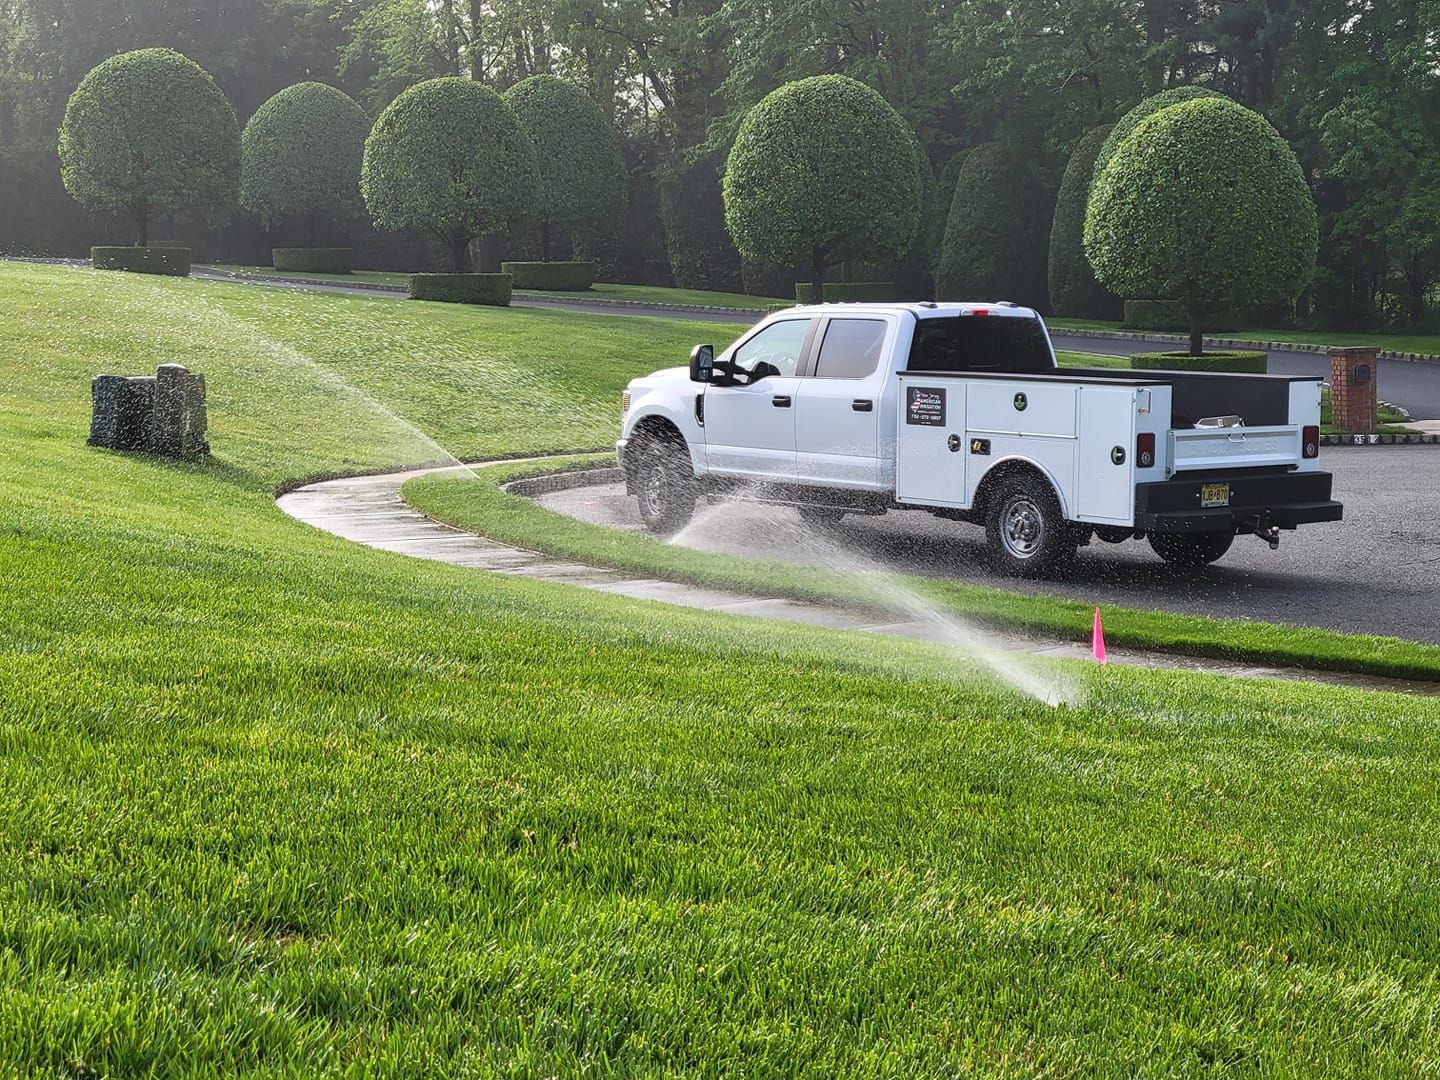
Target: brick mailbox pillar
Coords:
[[1353, 388]]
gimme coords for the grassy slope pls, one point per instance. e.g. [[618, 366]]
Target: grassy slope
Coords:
[[278, 804]]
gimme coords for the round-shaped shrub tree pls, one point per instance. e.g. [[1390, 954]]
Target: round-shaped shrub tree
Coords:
[[448, 157], [300, 154], [1203, 204], [149, 133], [1147, 108], [1073, 289], [997, 230], [582, 173], [822, 171]]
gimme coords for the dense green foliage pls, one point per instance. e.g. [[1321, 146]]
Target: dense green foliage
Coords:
[[1206, 205], [301, 154], [313, 260], [582, 175], [1074, 292], [699, 249], [276, 804], [490, 289], [169, 261], [1126, 125], [556, 276], [823, 171], [448, 157], [997, 232], [149, 133], [1247, 363], [1169, 315]]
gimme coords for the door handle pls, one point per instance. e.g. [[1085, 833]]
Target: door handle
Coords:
[[781, 401], [862, 405]]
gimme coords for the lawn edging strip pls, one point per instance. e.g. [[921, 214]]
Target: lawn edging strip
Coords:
[[483, 505]]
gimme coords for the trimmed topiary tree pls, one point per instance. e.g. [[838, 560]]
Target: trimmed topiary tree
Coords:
[[149, 133], [997, 231], [582, 173], [301, 154], [1139, 114], [1204, 204], [1074, 291], [448, 157], [822, 171]]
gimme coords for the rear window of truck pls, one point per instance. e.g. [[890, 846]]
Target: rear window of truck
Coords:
[[980, 343]]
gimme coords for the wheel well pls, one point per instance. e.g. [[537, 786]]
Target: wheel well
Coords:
[[1002, 472]]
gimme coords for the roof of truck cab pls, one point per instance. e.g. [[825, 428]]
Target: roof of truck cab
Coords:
[[924, 310]]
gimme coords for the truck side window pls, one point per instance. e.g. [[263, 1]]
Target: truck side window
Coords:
[[851, 349], [779, 344]]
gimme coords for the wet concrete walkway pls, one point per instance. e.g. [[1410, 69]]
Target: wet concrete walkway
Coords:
[[370, 510]]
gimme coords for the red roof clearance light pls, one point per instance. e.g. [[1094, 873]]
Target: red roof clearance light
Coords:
[[979, 311]]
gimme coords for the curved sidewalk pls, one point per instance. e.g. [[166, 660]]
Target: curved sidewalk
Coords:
[[370, 510]]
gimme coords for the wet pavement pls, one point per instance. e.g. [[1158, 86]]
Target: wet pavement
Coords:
[[1378, 571]]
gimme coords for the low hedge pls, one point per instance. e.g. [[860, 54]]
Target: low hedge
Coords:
[[555, 276], [491, 289], [170, 261], [197, 249], [875, 292], [1169, 315], [313, 260], [1236, 362]]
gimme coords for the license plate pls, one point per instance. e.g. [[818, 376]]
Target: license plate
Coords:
[[1214, 495]]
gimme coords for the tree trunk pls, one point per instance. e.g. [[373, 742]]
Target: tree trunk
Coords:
[[544, 241], [1195, 315], [142, 224], [817, 276], [460, 248]]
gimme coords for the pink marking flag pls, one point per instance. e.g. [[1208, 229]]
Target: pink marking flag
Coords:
[[1097, 640]]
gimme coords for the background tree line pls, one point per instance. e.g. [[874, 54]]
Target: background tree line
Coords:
[[1352, 87]]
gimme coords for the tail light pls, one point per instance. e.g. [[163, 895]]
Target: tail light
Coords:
[[1310, 442], [625, 402], [1145, 450], [979, 311]]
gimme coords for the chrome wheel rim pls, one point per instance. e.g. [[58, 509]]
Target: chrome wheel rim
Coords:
[[1022, 527], [653, 488]]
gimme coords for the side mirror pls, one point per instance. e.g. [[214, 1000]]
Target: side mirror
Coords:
[[702, 363]]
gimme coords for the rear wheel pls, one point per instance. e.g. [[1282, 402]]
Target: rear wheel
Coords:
[[664, 485], [1028, 533], [1191, 549]]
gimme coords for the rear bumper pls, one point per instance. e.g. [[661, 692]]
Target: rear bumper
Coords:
[[1281, 501]]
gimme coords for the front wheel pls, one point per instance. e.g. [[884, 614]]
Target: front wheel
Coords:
[[1191, 549], [1028, 533], [664, 486]]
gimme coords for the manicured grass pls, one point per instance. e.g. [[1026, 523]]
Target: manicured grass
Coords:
[[276, 804], [647, 294], [1389, 419], [1428, 344], [476, 503]]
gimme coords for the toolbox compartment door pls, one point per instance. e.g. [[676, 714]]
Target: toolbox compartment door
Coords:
[[1104, 465], [930, 454]]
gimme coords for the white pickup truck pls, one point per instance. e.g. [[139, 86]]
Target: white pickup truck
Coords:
[[961, 411]]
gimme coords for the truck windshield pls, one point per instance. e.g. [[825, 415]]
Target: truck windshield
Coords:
[[980, 343]]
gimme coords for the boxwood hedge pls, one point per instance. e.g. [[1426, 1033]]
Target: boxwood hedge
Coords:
[[169, 261], [574, 276], [491, 289], [852, 291], [1074, 292], [1238, 362], [340, 260]]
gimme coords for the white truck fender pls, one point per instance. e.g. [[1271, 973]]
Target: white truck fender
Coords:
[[1055, 485]]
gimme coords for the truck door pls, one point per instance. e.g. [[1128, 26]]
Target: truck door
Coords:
[[1105, 462], [750, 430], [837, 417]]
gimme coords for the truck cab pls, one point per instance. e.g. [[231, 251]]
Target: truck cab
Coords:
[[961, 410]]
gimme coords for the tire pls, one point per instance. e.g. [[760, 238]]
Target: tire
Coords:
[[1028, 534], [1191, 549], [820, 517], [664, 486]]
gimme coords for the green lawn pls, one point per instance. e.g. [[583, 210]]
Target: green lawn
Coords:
[[648, 294], [1413, 343], [279, 805]]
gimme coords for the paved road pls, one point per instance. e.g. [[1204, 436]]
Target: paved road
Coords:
[[1415, 387], [1377, 571]]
